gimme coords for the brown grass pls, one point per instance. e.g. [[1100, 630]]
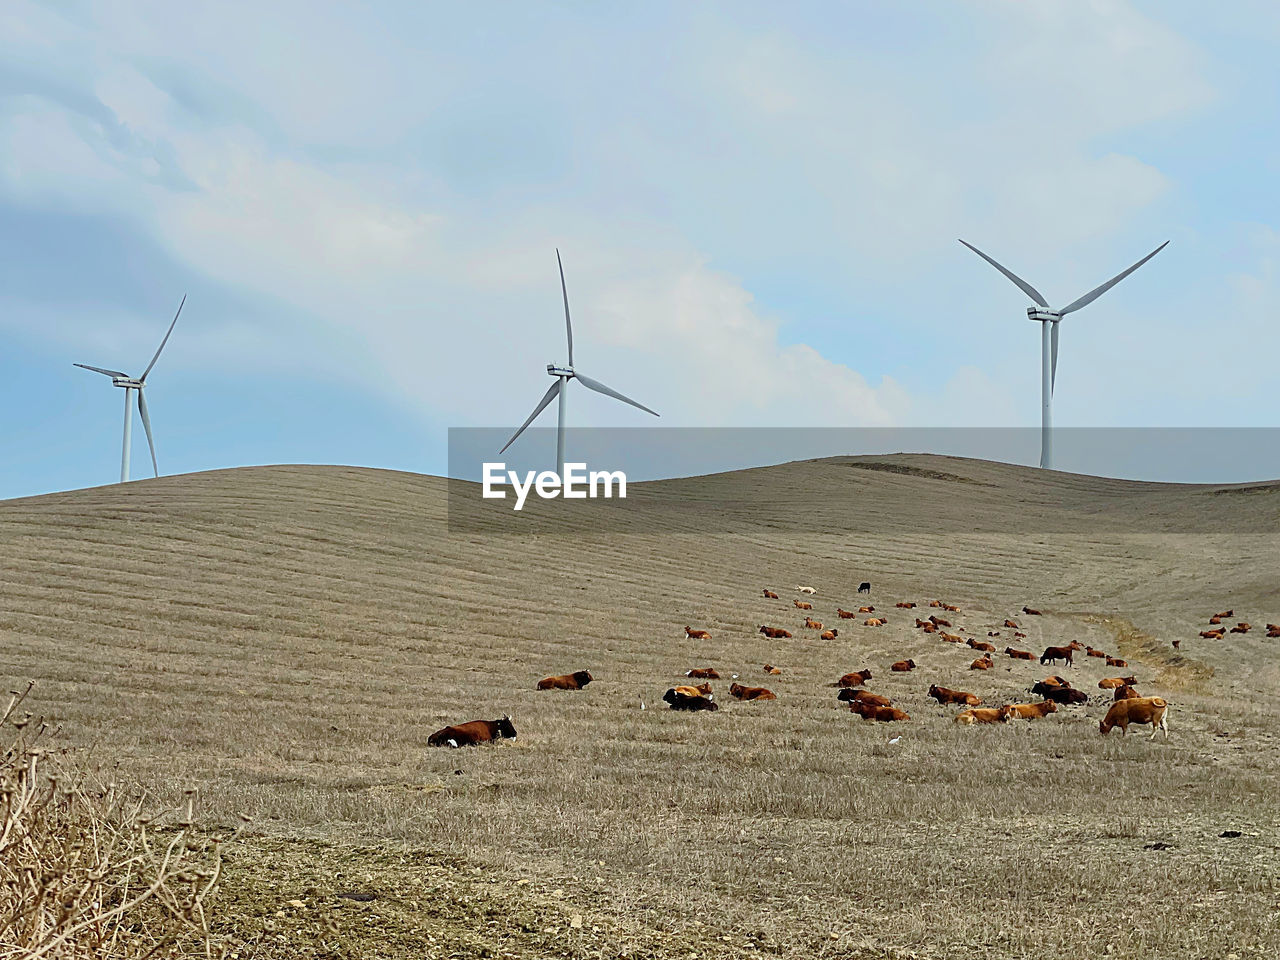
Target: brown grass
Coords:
[[286, 638]]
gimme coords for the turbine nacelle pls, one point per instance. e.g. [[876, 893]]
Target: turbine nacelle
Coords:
[[559, 371], [1042, 315], [127, 382]]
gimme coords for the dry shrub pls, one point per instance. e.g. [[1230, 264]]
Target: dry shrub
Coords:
[[84, 870]]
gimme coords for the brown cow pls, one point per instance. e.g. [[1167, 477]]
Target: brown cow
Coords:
[[1019, 654], [845, 614], [1152, 710], [938, 621], [1213, 634], [983, 663], [570, 681], [869, 711], [853, 679], [1065, 695], [1273, 631], [950, 637], [803, 604], [1242, 628], [812, 624], [862, 696], [903, 666], [1178, 643], [693, 634], [1126, 692], [981, 645], [1031, 711], [473, 732], [1018, 634], [993, 633], [680, 701], [701, 690], [703, 673], [740, 692], [775, 633], [1226, 614], [1090, 651], [1011, 625], [773, 671], [935, 603], [945, 696], [866, 609], [1116, 662], [983, 715], [830, 634], [770, 595], [1053, 654], [875, 622], [1110, 683], [1031, 613], [909, 605], [1050, 683], [951, 608], [1214, 621]]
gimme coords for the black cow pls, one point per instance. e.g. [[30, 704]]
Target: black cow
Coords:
[[864, 587]]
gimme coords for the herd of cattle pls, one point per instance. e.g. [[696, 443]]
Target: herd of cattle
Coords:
[[1127, 706]]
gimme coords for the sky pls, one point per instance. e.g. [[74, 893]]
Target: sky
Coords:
[[757, 206]]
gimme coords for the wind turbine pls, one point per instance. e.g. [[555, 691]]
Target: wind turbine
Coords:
[[561, 387], [1049, 320], [130, 384]]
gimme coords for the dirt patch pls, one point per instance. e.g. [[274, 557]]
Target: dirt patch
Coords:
[[1173, 670]]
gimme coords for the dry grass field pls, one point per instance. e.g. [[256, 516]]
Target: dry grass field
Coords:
[[286, 638]]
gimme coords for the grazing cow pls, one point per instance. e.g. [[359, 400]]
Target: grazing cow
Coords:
[[1054, 654], [473, 732], [803, 604], [773, 671], [983, 715], [869, 711], [1116, 662], [770, 595], [951, 608], [984, 662], [845, 614], [830, 634], [1226, 614], [862, 696], [875, 621], [812, 624], [853, 679], [950, 637], [1242, 628], [1031, 711], [1011, 625], [981, 645], [909, 605], [808, 590], [1126, 692], [1031, 613], [681, 701], [693, 634], [1067, 695], [740, 692], [938, 621], [1152, 710], [703, 673], [775, 633], [1110, 683], [701, 690], [1090, 651], [1214, 621], [866, 609], [570, 681], [864, 587], [1019, 654], [945, 696], [903, 666], [1213, 634]]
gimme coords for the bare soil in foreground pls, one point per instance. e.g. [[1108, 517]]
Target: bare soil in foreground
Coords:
[[284, 639]]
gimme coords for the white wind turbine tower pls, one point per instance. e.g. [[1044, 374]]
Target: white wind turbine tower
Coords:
[[1049, 320], [131, 384], [561, 387]]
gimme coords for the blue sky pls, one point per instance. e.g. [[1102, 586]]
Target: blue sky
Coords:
[[757, 207]]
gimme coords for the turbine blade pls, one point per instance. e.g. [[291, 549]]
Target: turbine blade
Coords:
[[1053, 362], [1096, 292], [164, 341], [146, 425], [599, 387], [1025, 287], [542, 405], [105, 373], [568, 325]]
